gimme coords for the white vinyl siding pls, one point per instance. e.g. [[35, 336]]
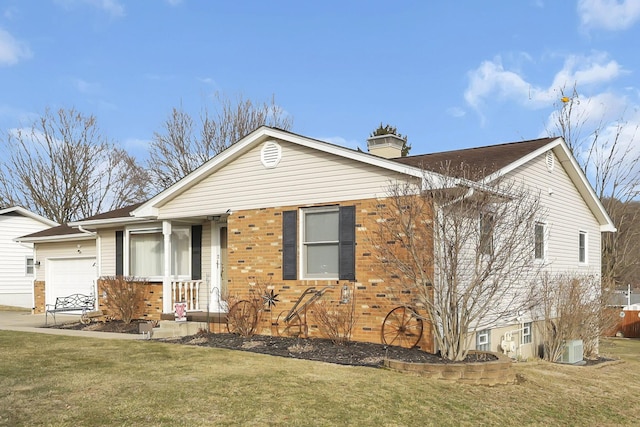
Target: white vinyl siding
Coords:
[[247, 184], [13, 280], [107, 252], [557, 193]]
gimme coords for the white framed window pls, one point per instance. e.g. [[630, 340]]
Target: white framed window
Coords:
[[526, 333], [29, 266], [146, 252], [320, 236], [483, 340], [487, 224], [582, 247], [539, 242]]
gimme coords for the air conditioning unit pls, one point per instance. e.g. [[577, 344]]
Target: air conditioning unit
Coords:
[[573, 352]]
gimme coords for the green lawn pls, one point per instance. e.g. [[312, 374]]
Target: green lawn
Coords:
[[65, 381]]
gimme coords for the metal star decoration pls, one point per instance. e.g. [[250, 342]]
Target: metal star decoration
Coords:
[[270, 298]]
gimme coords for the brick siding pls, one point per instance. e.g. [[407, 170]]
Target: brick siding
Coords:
[[255, 261]]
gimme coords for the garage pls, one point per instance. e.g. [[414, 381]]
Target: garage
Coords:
[[66, 276]]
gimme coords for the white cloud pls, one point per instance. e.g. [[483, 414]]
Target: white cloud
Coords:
[[613, 15], [174, 2], [492, 80], [112, 7], [12, 51], [592, 112], [456, 112]]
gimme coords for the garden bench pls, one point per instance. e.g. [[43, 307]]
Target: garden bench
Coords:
[[72, 303]]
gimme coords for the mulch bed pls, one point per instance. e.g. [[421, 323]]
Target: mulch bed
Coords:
[[317, 349]]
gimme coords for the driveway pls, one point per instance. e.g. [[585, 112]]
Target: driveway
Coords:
[[24, 321]]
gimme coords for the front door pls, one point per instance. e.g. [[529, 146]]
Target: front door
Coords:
[[219, 262]]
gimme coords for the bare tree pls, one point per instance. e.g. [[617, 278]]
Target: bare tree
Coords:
[[461, 250], [573, 307], [64, 168], [609, 157], [180, 148]]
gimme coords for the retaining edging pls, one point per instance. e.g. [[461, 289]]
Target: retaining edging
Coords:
[[491, 373]]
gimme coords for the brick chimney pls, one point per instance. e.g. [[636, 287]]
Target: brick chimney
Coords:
[[387, 146]]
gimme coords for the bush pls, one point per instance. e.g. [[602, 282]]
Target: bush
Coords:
[[124, 297], [335, 320]]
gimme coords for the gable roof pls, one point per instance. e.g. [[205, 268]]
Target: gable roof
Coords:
[[19, 210], [489, 159], [121, 215], [494, 160], [74, 231], [258, 136], [498, 160], [56, 234]]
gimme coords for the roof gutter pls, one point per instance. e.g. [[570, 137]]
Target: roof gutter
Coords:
[[87, 231]]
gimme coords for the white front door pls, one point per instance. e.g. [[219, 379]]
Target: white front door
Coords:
[[219, 267]]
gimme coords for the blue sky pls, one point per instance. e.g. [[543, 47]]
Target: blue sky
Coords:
[[447, 74]]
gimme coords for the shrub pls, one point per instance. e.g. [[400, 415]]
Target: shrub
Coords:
[[124, 296], [335, 320]]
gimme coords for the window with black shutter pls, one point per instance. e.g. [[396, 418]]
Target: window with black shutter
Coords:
[[327, 243]]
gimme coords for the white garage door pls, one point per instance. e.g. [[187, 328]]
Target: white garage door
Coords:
[[69, 276]]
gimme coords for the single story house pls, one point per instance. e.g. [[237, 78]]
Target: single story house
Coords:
[[17, 264], [288, 212]]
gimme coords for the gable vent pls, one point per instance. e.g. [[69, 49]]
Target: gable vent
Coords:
[[551, 161], [270, 154]]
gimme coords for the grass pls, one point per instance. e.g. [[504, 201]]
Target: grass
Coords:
[[68, 381]]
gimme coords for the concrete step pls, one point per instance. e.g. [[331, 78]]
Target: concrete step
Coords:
[[173, 329]]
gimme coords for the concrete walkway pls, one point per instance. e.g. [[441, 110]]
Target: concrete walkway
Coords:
[[24, 321]]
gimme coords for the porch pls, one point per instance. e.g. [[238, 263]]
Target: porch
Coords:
[[199, 315]]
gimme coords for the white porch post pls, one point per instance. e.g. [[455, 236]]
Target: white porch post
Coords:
[[166, 279]]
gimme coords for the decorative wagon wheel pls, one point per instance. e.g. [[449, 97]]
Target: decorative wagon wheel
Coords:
[[85, 319], [242, 318], [402, 327], [292, 328]]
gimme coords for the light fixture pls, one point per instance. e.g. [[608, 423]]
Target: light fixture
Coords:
[[345, 295]]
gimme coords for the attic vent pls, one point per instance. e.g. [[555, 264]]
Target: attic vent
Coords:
[[551, 161], [270, 154]]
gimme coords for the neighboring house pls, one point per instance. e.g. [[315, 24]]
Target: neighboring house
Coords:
[[288, 212], [17, 265]]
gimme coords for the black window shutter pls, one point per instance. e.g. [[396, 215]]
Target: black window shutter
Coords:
[[196, 252], [119, 253], [289, 245], [347, 245]]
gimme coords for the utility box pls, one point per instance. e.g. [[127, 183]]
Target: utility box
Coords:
[[573, 352]]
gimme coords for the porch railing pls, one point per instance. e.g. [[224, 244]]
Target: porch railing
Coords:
[[187, 291]]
